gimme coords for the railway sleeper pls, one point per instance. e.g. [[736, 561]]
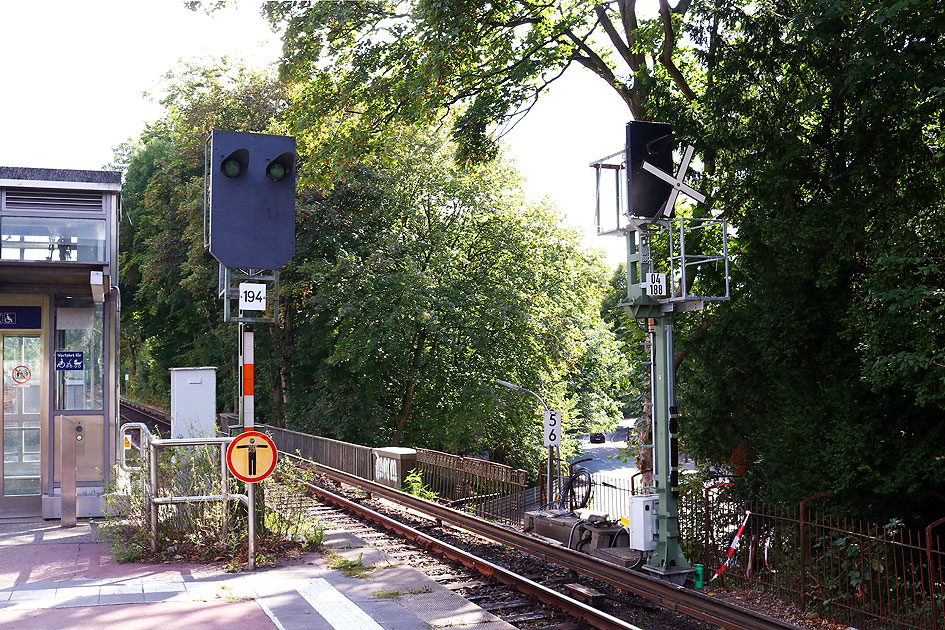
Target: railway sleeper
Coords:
[[508, 605], [525, 617], [585, 594]]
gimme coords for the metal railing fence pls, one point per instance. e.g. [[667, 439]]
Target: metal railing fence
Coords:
[[611, 495], [350, 458], [149, 448], [862, 575], [487, 489]]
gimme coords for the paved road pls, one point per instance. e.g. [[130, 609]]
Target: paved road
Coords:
[[604, 456]]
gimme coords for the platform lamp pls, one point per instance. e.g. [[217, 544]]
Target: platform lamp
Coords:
[[551, 449]]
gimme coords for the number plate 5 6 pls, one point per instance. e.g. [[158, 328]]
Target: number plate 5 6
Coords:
[[553, 428]]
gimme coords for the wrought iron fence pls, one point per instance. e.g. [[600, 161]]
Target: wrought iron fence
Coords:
[[611, 495], [866, 576], [487, 489], [350, 458]]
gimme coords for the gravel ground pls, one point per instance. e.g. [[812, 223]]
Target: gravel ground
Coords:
[[772, 606]]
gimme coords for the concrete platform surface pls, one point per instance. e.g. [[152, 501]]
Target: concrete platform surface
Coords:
[[65, 579]]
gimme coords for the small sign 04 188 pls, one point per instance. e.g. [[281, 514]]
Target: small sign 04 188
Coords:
[[655, 284], [252, 296]]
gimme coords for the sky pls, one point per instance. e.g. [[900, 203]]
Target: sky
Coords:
[[77, 75]]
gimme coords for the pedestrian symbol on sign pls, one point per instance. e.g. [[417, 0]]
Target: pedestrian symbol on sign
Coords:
[[251, 456]]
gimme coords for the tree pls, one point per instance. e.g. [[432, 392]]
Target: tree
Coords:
[[821, 375], [405, 299], [422, 283], [171, 316], [361, 67], [819, 128]]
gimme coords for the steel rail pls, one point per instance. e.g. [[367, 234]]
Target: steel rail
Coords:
[[572, 607], [135, 411], [667, 595]]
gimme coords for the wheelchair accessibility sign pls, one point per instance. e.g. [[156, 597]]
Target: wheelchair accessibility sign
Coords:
[[69, 361]]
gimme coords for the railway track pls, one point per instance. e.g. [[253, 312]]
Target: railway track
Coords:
[[566, 564], [668, 596], [155, 419], [449, 566], [516, 599]]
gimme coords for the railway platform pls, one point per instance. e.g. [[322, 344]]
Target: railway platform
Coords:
[[57, 578]]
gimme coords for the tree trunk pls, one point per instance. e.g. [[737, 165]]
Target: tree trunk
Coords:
[[644, 429], [132, 367], [275, 374], [406, 403]]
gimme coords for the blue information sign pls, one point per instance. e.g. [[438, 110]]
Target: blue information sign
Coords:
[[21, 317], [69, 361]]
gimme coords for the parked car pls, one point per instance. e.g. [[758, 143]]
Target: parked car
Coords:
[[598, 438]]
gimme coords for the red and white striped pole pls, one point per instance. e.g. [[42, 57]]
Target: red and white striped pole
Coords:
[[730, 561], [246, 414], [246, 339]]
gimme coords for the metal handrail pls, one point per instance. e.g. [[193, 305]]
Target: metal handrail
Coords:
[[152, 444]]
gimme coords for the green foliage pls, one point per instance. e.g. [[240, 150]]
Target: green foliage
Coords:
[[285, 518], [195, 531], [413, 287], [419, 285], [906, 295], [362, 68], [824, 120], [420, 278], [413, 484], [170, 314], [350, 568]]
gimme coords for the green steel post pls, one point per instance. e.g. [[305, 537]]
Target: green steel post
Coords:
[[667, 560], [668, 556]]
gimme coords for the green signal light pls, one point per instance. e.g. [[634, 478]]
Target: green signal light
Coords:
[[276, 171], [231, 168]]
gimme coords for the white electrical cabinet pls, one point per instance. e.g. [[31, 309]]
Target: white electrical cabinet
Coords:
[[193, 402], [643, 524]]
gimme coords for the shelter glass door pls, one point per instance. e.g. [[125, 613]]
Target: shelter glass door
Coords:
[[20, 418]]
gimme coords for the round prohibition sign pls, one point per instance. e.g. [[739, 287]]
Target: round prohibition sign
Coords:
[[251, 456], [21, 374]]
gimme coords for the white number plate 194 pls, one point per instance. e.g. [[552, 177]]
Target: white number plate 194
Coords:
[[252, 296]]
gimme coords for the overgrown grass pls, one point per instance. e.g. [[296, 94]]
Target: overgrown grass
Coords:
[[413, 484], [350, 568]]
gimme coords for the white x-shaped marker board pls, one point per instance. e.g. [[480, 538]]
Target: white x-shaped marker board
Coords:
[[677, 184]]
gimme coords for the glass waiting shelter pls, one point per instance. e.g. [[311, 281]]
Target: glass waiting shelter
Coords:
[[58, 326]]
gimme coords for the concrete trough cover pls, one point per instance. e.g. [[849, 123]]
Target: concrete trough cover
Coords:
[[342, 540], [442, 608]]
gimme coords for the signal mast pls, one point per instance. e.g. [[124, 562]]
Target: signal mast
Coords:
[[660, 276]]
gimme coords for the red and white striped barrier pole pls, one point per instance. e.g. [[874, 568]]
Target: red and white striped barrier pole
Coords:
[[246, 411], [247, 380], [733, 548]]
